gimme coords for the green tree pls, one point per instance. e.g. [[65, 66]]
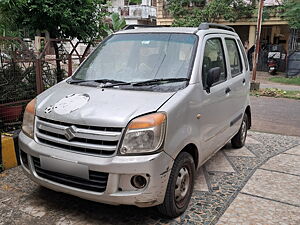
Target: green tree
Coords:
[[117, 23], [80, 19], [193, 13], [134, 2], [7, 25], [292, 13]]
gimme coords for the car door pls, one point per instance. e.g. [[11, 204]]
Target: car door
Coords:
[[214, 103], [237, 82]]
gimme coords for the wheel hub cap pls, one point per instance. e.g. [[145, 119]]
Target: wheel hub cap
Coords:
[[182, 184], [244, 130]]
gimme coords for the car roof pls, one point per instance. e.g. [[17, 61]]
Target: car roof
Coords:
[[183, 30], [188, 30]]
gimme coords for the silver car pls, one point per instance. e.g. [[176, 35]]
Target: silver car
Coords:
[[146, 109]]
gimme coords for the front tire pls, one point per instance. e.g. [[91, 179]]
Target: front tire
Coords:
[[239, 139], [180, 186]]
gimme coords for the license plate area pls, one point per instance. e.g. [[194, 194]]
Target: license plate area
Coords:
[[64, 167]]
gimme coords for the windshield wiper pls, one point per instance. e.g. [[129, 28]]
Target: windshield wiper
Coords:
[[101, 81], [160, 81], [116, 84]]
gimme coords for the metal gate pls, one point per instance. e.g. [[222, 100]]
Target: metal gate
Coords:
[[25, 72]]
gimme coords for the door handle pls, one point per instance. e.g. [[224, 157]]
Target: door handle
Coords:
[[244, 80], [227, 90]]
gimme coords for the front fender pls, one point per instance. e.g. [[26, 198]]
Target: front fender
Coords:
[[182, 125]]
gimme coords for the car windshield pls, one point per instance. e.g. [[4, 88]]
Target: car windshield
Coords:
[[133, 58]]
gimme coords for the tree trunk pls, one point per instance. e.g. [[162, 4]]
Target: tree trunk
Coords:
[[59, 72]]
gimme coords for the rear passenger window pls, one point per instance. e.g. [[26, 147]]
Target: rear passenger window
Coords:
[[213, 57], [234, 57], [244, 55]]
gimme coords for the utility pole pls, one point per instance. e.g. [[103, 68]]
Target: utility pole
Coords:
[[257, 45]]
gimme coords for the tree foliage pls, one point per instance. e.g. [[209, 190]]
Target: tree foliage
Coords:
[[134, 2], [81, 19], [291, 13], [61, 18], [117, 23], [7, 24], [192, 13]]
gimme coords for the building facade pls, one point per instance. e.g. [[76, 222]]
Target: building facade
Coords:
[[136, 12], [275, 32]]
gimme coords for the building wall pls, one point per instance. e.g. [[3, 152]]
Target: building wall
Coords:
[[117, 3], [144, 13], [162, 16]]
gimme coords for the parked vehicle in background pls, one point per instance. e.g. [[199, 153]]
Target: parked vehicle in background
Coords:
[[146, 109], [272, 65]]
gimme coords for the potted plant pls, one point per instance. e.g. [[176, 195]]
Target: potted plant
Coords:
[[16, 84]]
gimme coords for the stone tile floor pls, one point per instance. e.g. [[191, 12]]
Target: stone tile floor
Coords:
[[271, 196], [258, 184]]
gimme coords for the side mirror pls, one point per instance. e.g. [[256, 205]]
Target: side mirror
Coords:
[[213, 76]]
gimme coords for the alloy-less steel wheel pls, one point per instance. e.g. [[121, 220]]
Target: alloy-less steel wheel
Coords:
[[239, 139], [180, 186]]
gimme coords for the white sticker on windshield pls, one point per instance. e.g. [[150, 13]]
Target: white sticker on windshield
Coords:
[[70, 103], [145, 42]]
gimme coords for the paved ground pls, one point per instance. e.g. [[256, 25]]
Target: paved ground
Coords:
[[272, 195], [276, 115]]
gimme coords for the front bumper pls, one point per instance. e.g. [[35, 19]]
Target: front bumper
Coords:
[[156, 168]]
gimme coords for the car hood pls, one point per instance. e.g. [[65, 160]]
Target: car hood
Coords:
[[108, 107]]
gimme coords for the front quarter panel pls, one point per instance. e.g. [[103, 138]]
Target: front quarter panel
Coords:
[[182, 123]]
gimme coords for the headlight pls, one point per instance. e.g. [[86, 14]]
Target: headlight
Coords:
[[28, 120], [144, 134]]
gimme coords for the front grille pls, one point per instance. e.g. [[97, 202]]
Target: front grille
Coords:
[[97, 181], [85, 139]]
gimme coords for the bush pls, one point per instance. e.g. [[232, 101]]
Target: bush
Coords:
[[16, 83]]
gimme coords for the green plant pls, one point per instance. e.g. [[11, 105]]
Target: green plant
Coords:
[[117, 23], [17, 83], [61, 18], [134, 2], [291, 12], [192, 13]]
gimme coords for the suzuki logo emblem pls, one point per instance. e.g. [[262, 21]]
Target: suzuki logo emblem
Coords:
[[70, 133]]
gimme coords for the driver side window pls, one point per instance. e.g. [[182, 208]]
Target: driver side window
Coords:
[[213, 58]]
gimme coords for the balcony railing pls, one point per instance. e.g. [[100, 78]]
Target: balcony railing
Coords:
[[135, 11]]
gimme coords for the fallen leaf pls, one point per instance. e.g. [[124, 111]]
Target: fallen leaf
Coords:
[[6, 187]]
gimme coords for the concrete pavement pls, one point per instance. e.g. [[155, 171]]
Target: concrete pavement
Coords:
[[276, 115]]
